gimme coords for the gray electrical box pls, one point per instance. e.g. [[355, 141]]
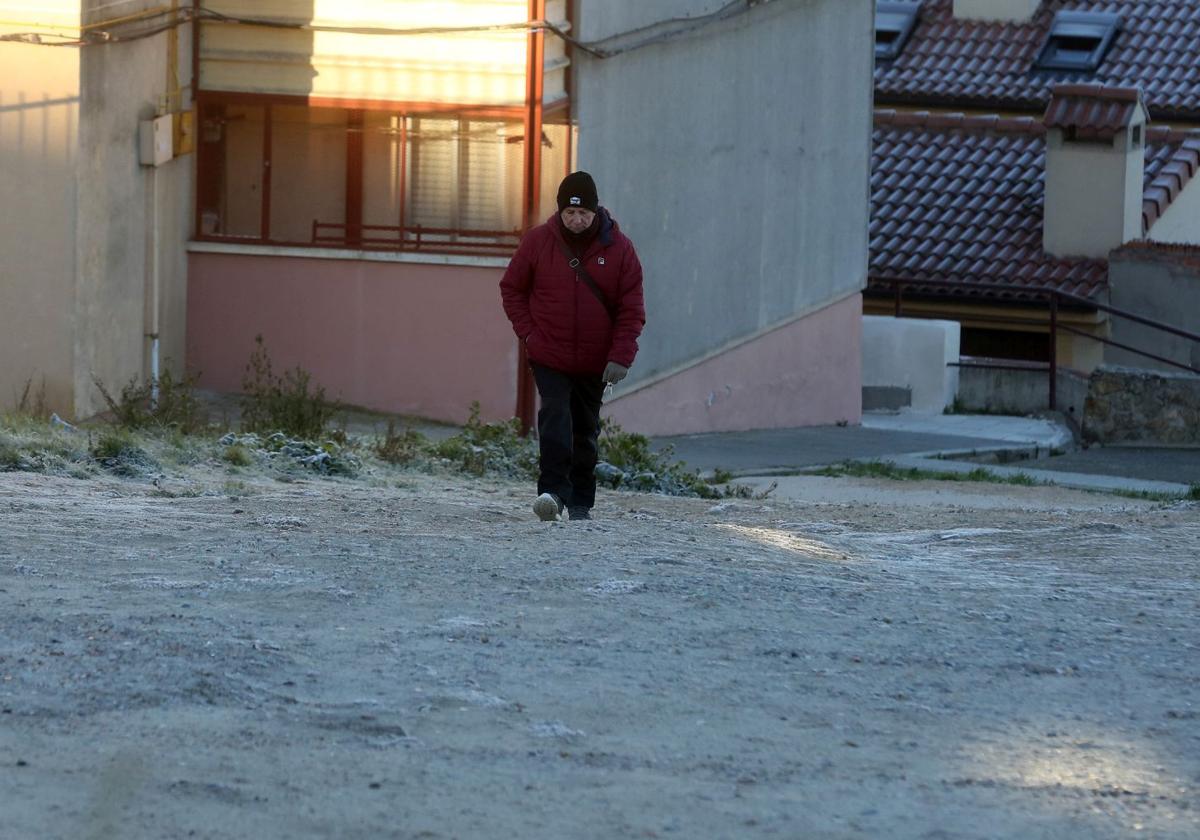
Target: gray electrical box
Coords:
[[156, 143]]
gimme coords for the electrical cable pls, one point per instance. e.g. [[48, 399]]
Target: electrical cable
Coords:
[[98, 32]]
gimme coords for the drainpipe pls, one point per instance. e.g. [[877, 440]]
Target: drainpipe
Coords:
[[534, 71], [152, 291], [171, 105]]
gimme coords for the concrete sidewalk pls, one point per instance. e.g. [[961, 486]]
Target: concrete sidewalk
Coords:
[[946, 443]]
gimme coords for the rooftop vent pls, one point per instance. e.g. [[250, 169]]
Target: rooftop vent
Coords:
[[1014, 11], [894, 22], [1078, 41]]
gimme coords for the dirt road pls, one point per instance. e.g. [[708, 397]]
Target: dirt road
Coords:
[[412, 657]]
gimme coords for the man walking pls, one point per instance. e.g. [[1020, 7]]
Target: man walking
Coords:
[[573, 292]]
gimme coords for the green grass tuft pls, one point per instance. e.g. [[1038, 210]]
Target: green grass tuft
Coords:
[[237, 455], [889, 470]]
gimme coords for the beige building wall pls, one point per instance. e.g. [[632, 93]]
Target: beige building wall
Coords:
[[1079, 353], [77, 235], [483, 66], [1093, 193], [39, 118], [1181, 223], [121, 203]]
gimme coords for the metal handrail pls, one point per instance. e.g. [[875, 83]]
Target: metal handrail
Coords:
[[1053, 297]]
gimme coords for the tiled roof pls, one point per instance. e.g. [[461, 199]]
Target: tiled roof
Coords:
[[1172, 160], [1187, 256], [1094, 112], [959, 199], [986, 64]]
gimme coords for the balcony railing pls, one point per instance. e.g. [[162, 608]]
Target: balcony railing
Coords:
[[415, 238]]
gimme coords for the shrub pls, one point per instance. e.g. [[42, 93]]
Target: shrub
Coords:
[[136, 408], [627, 461], [490, 447], [33, 403], [291, 403], [328, 458], [399, 448]]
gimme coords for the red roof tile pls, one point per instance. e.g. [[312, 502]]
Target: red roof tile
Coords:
[[987, 64], [959, 199]]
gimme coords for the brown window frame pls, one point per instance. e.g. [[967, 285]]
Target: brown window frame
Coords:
[[356, 235]]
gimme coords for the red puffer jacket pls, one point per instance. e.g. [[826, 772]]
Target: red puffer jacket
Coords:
[[558, 317]]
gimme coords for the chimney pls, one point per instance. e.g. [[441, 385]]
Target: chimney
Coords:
[[1095, 164], [1014, 11]]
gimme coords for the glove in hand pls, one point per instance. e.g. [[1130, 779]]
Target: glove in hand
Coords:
[[614, 373]]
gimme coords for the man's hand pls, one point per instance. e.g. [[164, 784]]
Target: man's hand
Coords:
[[614, 373]]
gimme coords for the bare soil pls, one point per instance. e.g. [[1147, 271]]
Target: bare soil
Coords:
[[414, 656]]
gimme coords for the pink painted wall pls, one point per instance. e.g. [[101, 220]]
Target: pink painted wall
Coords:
[[398, 337], [808, 373]]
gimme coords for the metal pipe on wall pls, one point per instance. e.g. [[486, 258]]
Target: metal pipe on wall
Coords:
[[152, 289], [534, 72]]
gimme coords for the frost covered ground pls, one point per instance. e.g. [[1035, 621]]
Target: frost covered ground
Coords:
[[415, 657]]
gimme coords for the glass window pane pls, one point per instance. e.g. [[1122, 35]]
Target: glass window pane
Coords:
[[458, 176], [308, 171], [434, 189], [490, 186], [466, 174], [385, 159], [556, 159], [231, 164]]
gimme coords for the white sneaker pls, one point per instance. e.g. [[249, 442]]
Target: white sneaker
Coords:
[[548, 507]]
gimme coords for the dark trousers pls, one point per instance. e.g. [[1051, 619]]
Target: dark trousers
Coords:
[[568, 428]]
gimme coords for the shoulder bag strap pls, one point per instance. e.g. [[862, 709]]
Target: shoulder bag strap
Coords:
[[581, 272]]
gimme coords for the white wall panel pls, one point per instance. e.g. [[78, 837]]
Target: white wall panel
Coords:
[[484, 67]]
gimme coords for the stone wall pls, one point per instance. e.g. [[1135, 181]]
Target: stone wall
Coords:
[[1130, 405]]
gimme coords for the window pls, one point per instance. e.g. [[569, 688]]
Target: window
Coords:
[[1005, 344], [230, 188], [894, 22], [340, 177], [1078, 41]]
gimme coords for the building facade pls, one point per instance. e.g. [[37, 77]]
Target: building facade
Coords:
[[92, 263], [1017, 144], [347, 180]]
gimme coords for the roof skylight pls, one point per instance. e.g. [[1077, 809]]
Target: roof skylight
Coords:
[[1078, 41], [894, 22]]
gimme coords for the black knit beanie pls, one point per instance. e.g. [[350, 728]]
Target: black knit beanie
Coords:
[[578, 190]]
